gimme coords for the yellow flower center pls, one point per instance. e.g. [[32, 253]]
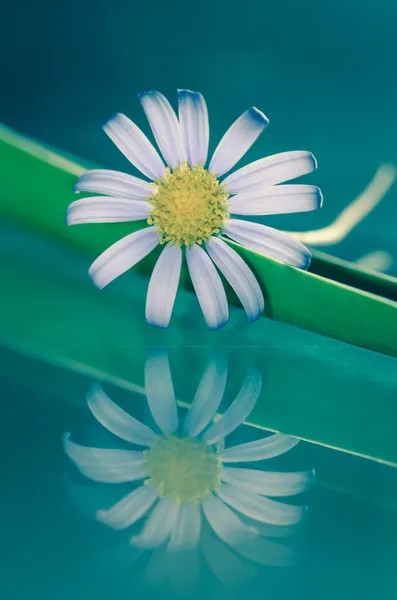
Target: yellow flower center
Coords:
[[183, 469], [189, 206]]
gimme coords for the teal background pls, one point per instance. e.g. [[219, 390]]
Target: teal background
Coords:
[[323, 72]]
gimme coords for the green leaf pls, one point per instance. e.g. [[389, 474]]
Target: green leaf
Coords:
[[334, 299], [336, 472], [315, 388]]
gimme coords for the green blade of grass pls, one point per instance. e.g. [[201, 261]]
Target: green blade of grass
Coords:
[[315, 388], [354, 306]]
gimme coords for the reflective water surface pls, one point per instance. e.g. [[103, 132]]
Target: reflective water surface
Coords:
[[54, 546], [63, 534]]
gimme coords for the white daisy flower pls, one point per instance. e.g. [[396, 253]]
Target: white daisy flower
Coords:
[[188, 207], [185, 472]]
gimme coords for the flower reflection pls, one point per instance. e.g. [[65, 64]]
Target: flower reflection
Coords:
[[183, 482]]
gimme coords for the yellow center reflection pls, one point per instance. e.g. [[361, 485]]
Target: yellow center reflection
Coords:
[[183, 469]]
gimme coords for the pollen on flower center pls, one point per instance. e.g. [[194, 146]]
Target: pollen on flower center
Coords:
[[189, 206], [183, 469]]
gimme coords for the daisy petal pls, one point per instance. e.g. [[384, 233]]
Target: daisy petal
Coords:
[[186, 532], [266, 552], [270, 171], [225, 523], [116, 420], [114, 183], [135, 146], [163, 286], [207, 398], [160, 392], [208, 287], [270, 242], [268, 483], [277, 200], [278, 531], [107, 209], [238, 411], [239, 275], [123, 255], [244, 538], [130, 509], [159, 525], [224, 563], [106, 465], [165, 127], [193, 117], [268, 447], [260, 508], [237, 140]]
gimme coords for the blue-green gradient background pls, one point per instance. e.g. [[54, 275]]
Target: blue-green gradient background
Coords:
[[323, 72]]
